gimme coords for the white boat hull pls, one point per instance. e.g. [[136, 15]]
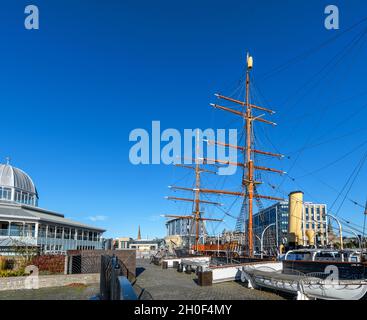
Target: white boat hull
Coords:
[[304, 286]]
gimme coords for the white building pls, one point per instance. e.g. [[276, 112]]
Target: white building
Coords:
[[22, 222]]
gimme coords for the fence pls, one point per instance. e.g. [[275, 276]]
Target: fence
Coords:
[[117, 282], [89, 261]]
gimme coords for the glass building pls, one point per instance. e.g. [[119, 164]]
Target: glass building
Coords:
[[315, 218], [185, 229], [22, 222]]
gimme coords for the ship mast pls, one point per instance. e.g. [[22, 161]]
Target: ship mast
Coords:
[[248, 182], [248, 161], [196, 201]]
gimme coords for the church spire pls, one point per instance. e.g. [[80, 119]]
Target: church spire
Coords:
[[139, 235]]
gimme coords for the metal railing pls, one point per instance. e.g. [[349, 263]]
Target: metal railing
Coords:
[[118, 283]]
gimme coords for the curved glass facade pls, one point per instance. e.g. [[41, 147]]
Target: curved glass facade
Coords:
[[19, 196]]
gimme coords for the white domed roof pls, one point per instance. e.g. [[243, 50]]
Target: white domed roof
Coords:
[[15, 178]]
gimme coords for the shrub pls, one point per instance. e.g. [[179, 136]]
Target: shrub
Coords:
[[11, 273], [49, 263], [2, 263]]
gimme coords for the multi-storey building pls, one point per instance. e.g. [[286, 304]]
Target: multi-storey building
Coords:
[[314, 218]]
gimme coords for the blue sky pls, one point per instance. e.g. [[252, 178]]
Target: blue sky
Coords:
[[71, 92]]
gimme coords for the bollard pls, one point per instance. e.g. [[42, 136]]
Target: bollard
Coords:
[[205, 278], [188, 269], [180, 267]]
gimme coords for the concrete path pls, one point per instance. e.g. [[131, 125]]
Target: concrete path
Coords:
[[168, 284]]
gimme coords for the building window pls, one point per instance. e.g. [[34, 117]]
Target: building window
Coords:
[[51, 232], [80, 235], [5, 193], [58, 232], [66, 233]]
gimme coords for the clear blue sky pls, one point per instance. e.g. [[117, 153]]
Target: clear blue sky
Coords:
[[71, 92]]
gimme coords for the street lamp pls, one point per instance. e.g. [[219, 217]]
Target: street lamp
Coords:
[[262, 239], [359, 239], [340, 228]]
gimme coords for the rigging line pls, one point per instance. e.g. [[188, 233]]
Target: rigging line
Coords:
[[352, 44], [309, 52], [230, 208], [364, 221], [343, 122], [346, 224], [346, 184], [328, 185], [323, 111], [351, 185], [326, 69], [336, 126], [335, 161], [329, 140]]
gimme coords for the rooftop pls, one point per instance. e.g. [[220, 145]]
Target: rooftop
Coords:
[[34, 213]]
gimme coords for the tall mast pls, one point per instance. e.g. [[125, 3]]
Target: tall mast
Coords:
[[249, 184], [197, 190]]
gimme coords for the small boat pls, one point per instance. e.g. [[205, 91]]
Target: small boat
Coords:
[[313, 274]]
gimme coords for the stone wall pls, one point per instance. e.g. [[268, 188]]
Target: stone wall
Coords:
[[34, 282], [91, 259]]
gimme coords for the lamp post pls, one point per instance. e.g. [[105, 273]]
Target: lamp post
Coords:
[[340, 228], [262, 239], [359, 239], [258, 238]]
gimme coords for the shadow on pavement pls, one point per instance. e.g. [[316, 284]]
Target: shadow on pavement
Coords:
[[139, 271]]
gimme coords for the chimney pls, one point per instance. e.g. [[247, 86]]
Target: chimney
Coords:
[[295, 218]]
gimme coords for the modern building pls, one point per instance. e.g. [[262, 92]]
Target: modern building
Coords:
[[181, 232], [23, 223], [314, 222], [144, 247]]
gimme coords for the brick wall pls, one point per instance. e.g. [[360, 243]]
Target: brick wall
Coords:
[[91, 259], [50, 263]]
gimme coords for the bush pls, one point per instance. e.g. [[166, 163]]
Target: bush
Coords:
[[49, 263], [2, 263], [11, 273]]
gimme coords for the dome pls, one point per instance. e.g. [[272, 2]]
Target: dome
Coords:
[[16, 185]]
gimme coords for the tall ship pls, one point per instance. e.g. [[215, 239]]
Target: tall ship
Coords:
[[241, 243], [298, 265]]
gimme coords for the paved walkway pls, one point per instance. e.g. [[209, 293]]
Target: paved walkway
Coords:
[[80, 292], [168, 284]]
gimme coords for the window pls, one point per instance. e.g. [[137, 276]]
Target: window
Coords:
[[58, 232], [66, 233], [5, 193], [80, 235], [51, 231]]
